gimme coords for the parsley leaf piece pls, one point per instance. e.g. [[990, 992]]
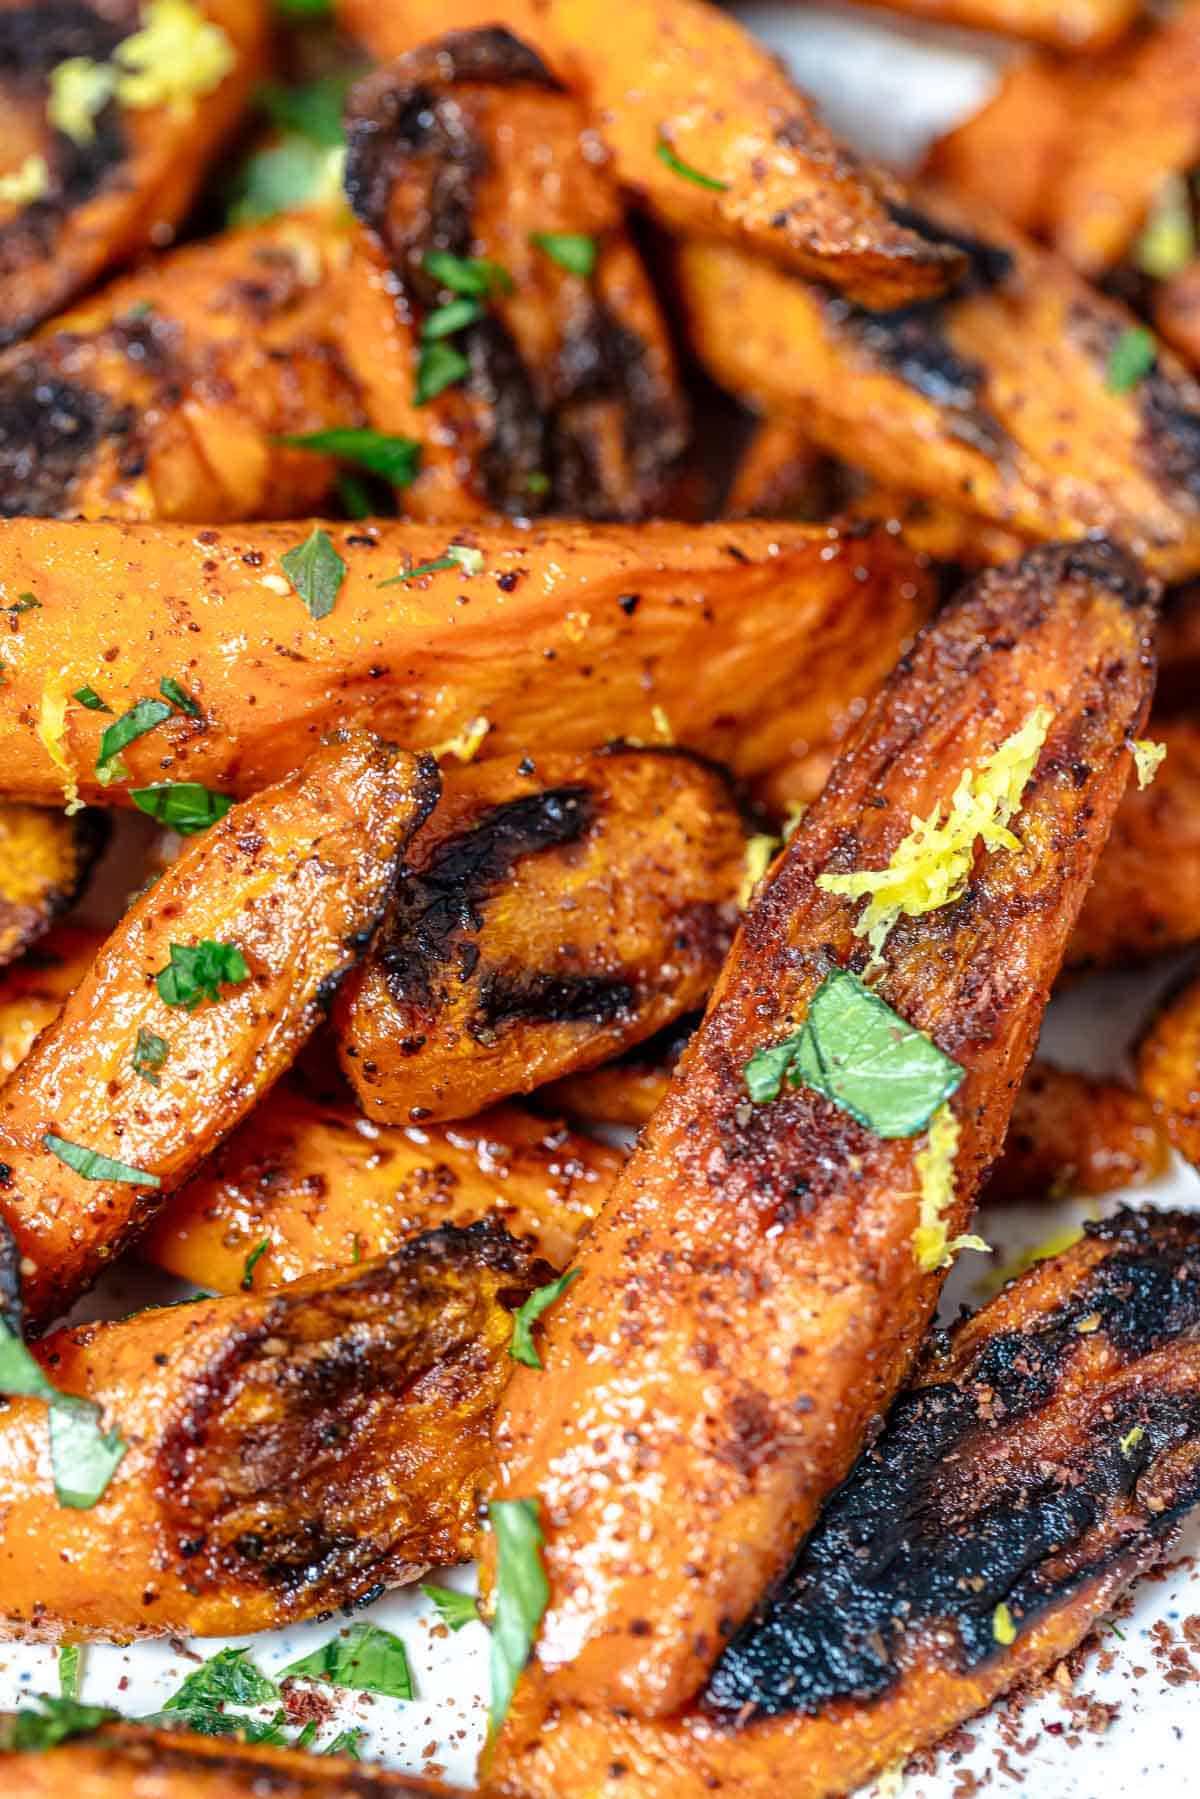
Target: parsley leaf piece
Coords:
[[571, 250], [522, 1347], [454, 316], [295, 172], [92, 1166], [144, 716], [183, 806], [30, 1732], [314, 110], [304, 9], [346, 1743], [87, 696], [364, 1659], [861, 1056], [149, 1054], [356, 501], [316, 571], [70, 1669], [439, 366], [25, 602], [458, 555], [473, 275], [197, 972], [677, 166], [171, 691], [454, 1609], [252, 1261], [521, 1596], [82, 1459], [1130, 360], [397, 459], [228, 1678]]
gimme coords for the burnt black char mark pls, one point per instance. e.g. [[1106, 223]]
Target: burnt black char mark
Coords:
[[441, 904], [911, 340], [549, 999], [49, 428], [894, 1551]]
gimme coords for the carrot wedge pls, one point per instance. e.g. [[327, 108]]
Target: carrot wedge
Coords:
[[1041, 1460], [756, 643], [155, 1057], [754, 1292], [704, 126]]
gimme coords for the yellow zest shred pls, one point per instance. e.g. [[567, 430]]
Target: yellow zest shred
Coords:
[[1148, 758], [575, 626], [79, 89], [52, 729], [759, 850], [1003, 1628], [891, 1782], [176, 55], [662, 724], [1053, 1245], [930, 867], [467, 743], [935, 1171], [1131, 1439], [26, 184]]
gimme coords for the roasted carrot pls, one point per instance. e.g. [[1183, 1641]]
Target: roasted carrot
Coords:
[[1146, 894], [125, 1761], [628, 1091], [32, 991], [1083, 25], [560, 393], [781, 474], [703, 125], [677, 1454], [197, 1002], [547, 917], [752, 642], [165, 395], [45, 861], [100, 174], [1179, 650], [1009, 399], [1042, 1460], [1168, 1066], [943, 532], [321, 1187], [1070, 1133], [288, 1452]]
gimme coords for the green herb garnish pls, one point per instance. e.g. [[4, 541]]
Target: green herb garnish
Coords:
[[458, 555], [149, 1054], [522, 1595], [252, 1260], [316, 571], [473, 275], [144, 716], [364, 1659], [92, 1166], [677, 166], [522, 1347], [227, 1678], [296, 172], [863, 1057], [1130, 360], [82, 1458], [353, 494], [454, 1609], [197, 971], [30, 1732], [439, 366], [397, 459], [70, 1669], [183, 806], [177, 696], [346, 1743], [87, 696], [571, 250], [454, 316], [313, 110], [25, 602]]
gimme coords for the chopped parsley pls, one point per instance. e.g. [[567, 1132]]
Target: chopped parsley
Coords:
[[252, 1260], [396, 459], [90, 1165], [454, 316], [522, 1347], [1130, 360], [457, 555], [364, 1659], [296, 172], [571, 250], [861, 1056], [313, 110], [143, 716], [316, 571], [197, 971], [677, 166], [176, 696], [472, 279], [183, 806], [346, 1743], [70, 1669], [82, 1458], [521, 1596], [30, 1733], [25, 602], [454, 1609], [149, 1054], [87, 696], [228, 1678], [473, 275], [439, 366]]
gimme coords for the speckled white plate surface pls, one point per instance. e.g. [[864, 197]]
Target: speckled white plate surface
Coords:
[[887, 87]]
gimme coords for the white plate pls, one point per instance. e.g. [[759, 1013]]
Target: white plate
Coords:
[[887, 87]]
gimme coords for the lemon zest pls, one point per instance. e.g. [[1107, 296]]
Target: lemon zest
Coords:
[[1131, 1439], [177, 55], [1148, 758], [466, 744], [662, 724], [79, 89], [26, 184], [935, 1172], [52, 730], [890, 1783], [759, 850], [930, 867], [1003, 1628]]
